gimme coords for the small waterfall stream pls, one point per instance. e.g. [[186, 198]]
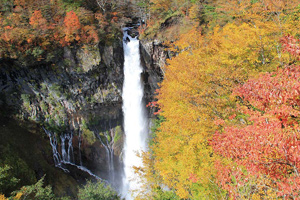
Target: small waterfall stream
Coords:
[[135, 127], [67, 156], [135, 120], [108, 145]]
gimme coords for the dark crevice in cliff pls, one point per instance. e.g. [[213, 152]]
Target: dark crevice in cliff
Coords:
[[153, 59], [78, 93]]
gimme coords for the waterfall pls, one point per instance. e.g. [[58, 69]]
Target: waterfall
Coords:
[[135, 120], [67, 156], [53, 142], [108, 145], [79, 147]]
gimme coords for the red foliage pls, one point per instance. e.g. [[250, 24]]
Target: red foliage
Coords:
[[158, 112], [154, 104], [8, 27], [193, 178], [269, 144], [231, 177], [291, 45]]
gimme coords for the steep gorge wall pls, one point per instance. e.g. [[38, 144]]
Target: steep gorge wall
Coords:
[[81, 93], [153, 59]]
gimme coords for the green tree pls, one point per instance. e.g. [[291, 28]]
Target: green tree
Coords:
[[36, 191], [7, 181], [97, 191]]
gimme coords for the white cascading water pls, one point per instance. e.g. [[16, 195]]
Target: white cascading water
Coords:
[[66, 157], [108, 145], [135, 120]]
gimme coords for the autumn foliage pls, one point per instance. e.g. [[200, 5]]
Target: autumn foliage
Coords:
[[37, 29], [267, 143], [72, 27], [230, 100], [37, 20]]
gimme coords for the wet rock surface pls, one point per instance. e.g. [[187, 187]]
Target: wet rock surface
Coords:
[[153, 59], [80, 94]]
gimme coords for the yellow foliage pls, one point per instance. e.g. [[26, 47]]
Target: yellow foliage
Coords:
[[196, 90], [184, 100], [148, 179], [193, 11], [165, 5], [2, 197], [18, 195], [161, 4], [190, 40]]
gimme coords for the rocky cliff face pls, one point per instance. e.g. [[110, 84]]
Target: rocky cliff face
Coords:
[[80, 94], [153, 58]]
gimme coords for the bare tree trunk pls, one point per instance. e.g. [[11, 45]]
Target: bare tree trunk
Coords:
[[101, 4]]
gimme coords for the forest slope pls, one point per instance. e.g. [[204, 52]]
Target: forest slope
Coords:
[[229, 103]]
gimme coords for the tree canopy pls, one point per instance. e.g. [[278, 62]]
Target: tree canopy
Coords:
[[229, 100]]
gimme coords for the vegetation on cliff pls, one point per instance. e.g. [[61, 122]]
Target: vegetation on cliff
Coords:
[[36, 29], [228, 106], [55, 59], [92, 191], [229, 100]]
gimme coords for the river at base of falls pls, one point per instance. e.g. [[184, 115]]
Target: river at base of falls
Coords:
[[135, 120]]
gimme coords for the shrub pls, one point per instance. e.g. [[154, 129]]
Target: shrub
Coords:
[[97, 191]]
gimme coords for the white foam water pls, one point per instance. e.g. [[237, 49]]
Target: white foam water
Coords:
[[135, 120]]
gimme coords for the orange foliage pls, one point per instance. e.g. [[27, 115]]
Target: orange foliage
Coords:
[[37, 20], [20, 2], [2, 197], [72, 25], [44, 25], [89, 34]]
